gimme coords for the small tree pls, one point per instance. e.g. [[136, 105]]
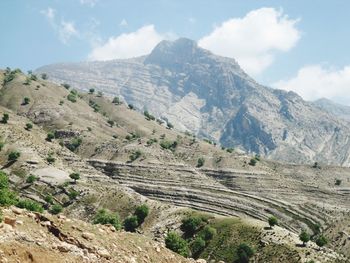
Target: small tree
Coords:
[[272, 221], [244, 253], [304, 237], [91, 91], [13, 156], [190, 225], [26, 101], [104, 217], [5, 118], [141, 213], [197, 246], [66, 86], [29, 126], [116, 101], [75, 177], [111, 123], [50, 136], [31, 179], [131, 223], [321, 241], [177, 244], [252, 162], [208, 233], [200, 162]]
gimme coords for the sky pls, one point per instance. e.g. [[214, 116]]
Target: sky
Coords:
[[294, 45]]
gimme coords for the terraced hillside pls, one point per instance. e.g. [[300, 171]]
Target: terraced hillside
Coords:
[[126, 158]]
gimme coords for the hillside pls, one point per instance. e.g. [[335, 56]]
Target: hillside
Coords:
[[214, 98], [126, 159]]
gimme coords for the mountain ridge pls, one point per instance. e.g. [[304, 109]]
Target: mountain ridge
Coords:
[[212, 97]]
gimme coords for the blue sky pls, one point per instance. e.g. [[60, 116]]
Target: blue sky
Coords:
[[295, 45]]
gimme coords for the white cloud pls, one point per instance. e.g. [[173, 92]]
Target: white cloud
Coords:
[[49, 13], [90, 3], [316, 81], [65, 30], [254, 39], [138, 43], [123, 23]]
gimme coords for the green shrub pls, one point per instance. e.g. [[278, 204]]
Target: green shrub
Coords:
[[44, 76], [5, 118], [7, 197], [151, 141], [29, 126], [4, 182], [33, 77], [103, 217], [148, 116], [200, 162], [141, 212], [50, 159], [229, 150], [244, 252], [56, 209], [50, 136], [75, 177], [169, 125], [131, 223], [74, 144], [72, 97], [27, 81], [26, 101], [252, 162], [208, 233], [132, 136], [338, 182], [131, 107], [13, 156], [169, 145], [48, 199], [190, 225], [91, 91], [197, 246], [272, 221], [177, 244], [111, 123], [73, 194], [116, 101], [66, 86], [2, 144], [30, 205], [31, 179], [321, 241], [135, 155]]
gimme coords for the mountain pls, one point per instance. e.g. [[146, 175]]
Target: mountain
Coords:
[[126, 159], [212, 97], [339, 110]]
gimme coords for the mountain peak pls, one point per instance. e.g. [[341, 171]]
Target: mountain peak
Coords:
[[169, 53]]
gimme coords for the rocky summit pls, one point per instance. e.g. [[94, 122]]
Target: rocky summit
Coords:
[[212, 97]]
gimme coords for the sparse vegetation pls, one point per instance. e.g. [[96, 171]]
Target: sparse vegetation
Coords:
[[151, 141], [135, 155], [111, 123], [50, 159], [169, 145], [74, 144], [30, 205]]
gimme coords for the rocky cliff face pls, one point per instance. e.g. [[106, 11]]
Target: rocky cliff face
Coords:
[[213, 97]]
